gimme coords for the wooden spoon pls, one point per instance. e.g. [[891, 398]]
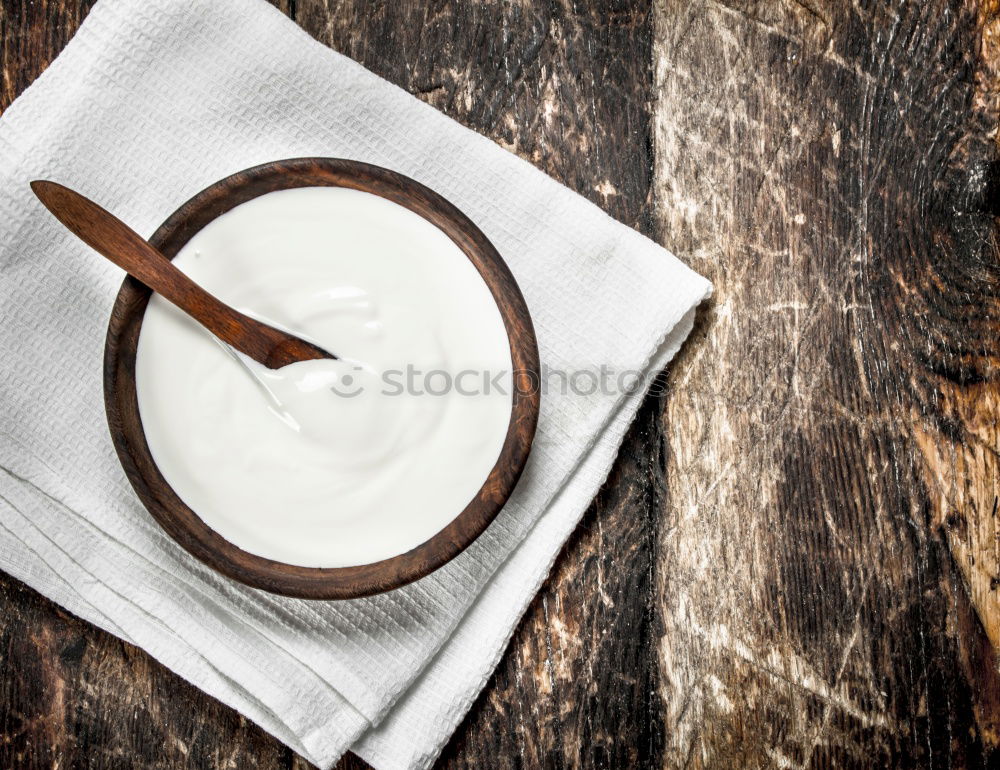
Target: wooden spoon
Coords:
[[111, 237]]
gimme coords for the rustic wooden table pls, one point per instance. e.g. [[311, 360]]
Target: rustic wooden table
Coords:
[[796, 560]]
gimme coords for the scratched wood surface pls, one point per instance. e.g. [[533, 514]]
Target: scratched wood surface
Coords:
[[795, 561], [828, 563]]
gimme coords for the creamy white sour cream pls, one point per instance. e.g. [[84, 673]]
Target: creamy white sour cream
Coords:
[[329, 463]]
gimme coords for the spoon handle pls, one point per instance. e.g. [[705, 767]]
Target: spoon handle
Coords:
[[112, 238]]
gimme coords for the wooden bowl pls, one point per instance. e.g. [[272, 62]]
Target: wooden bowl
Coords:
[[182, 523]]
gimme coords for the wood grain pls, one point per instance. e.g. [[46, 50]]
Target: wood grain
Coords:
[[184, 524], [833, 426], [567, 86], [790, 564]]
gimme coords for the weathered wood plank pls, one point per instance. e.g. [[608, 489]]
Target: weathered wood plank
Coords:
[[568, 87], [834, 425]]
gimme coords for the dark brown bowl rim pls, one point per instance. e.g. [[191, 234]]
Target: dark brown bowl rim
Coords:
[[182, 523]]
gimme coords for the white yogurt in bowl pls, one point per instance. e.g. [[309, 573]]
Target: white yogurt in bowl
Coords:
[[329, 463]]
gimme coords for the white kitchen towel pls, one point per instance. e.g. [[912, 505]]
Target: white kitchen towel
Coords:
[[151, 102]]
